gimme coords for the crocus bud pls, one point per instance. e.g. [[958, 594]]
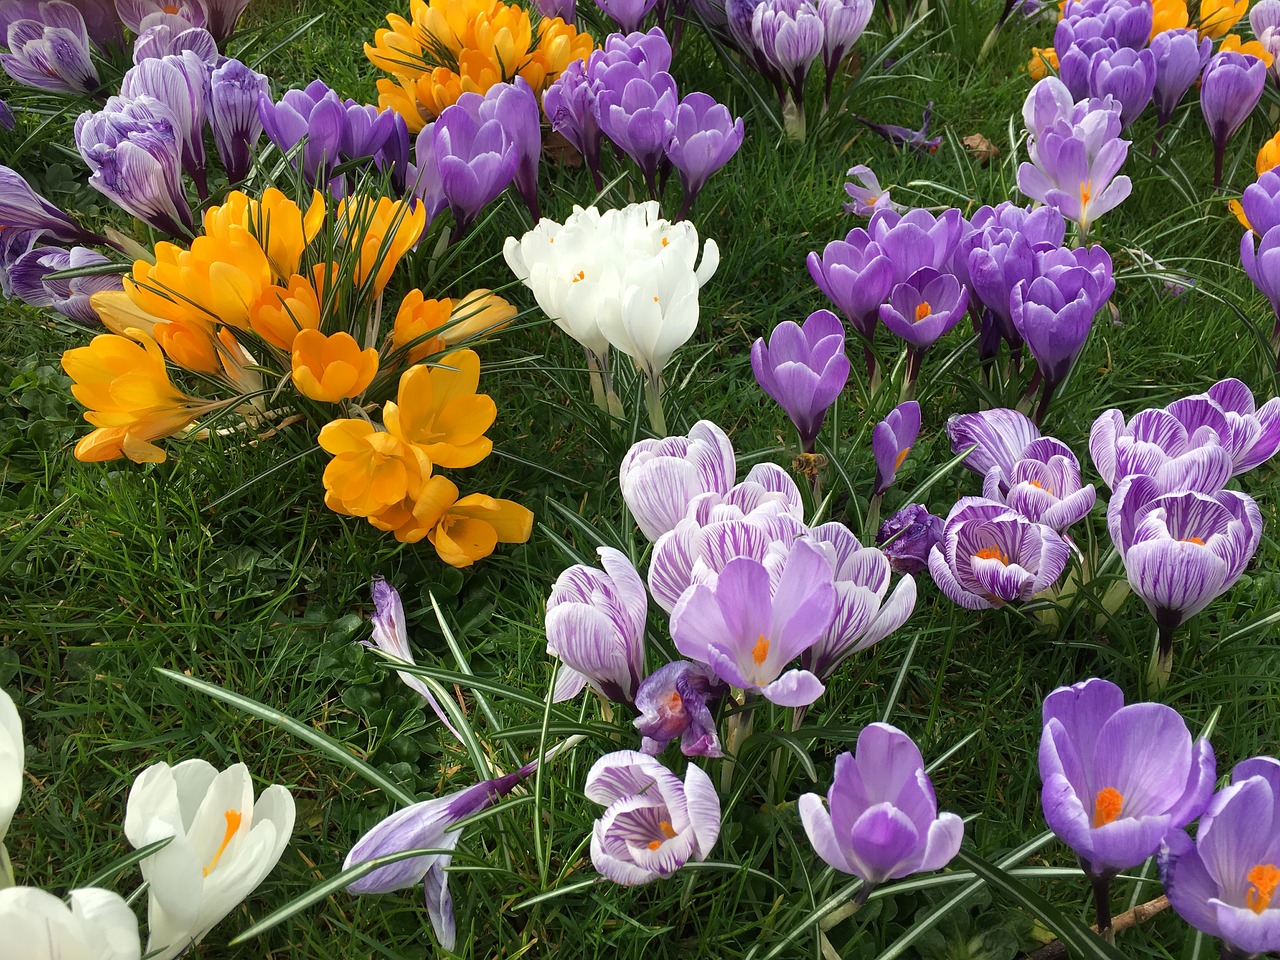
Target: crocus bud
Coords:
[[50, 50], [316, 113], [179, 82], [803, 369], [568, 103], [69, 297], [24, 210], [704, 137], [627, 14], [1179, 57], [234, 92], [891, 442], [98, 925], [165, 40], [475, 159], [660, 478], [1230, 88], [1128, 76]]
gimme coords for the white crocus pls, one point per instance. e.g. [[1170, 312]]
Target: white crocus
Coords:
[[97, 926], [224, 845], [11, 765]]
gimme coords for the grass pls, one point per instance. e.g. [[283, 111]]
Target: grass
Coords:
[[250, 584]]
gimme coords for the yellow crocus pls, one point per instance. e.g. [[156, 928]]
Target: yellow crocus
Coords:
[[1217, 17], [1250, 48], [480, 313], [282, 312], [370, 470], [462, 530], [438, 410], [1169, 15], [382, 231], [275, 221], [1042, 58], [332, 368], [189, 345], [400, 95], [559, 44], [417, 324], [1268, 156], [217, 281]]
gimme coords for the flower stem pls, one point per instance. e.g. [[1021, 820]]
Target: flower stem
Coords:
[[872, 525], [596, 372], [1102, 905], [1162, 659], [738, 729], [653, 397]]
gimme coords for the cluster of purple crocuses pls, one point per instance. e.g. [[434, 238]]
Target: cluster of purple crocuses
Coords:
[[626, 93], [1260, 245]]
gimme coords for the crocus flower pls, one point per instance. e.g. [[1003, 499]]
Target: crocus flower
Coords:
[[23, 210], [595, 626], [223, 15], [991, 555], [568, 103], [803, 369], [653, 823], [12, 765], [1128, 76], [867, 194], [1264, 22], [71, 297], [165, 40], [515, 107], [1076, 60], [234, 92], [439, 409], [1260, 202], [660, 478], [627, 14], [49, 49], [1044, 485], [1118, 779], [704, 137], [636, 109], [1225, 882], [842, 24], [332, 368], [1230, 88], [223, 845], [316, 115], [881, 820], [916, 239], [906, 138], [789, 36], [1179, 57], [891, 442], [907, 538], [1217, 17], [179, 82], [748, 633], [6, 116], [98, 925], [856, 275], [998, 436], [923, 309], [672, 702], [140, 15]]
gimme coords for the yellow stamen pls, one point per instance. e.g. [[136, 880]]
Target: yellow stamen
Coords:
[[234, 819], [871, 201], [667, 831], [923, 311], [1263, 880], [666, 242], [1106, 806], [992, 553], [760, 651], [1039, 486], [902, 456]]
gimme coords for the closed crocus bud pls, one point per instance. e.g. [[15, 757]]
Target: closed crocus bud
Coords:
[[331, 368], [1264, 21], [1261, 261], [672, 702], [803, 369], [627, 14], [476, 160], [1179, 56], [481, 313], [316, 114], [856, 275], [569, 103], [1229, 90], [881, 819], [515, 107], [222, 844], [180, 83], [98, 925], [50, 50], [908, 537], [705, 136], [637, 110], [68, 297], [660, 478], [1261, 202], [891, 442], [653, 823], [234, 92], [789, 35], [842, 24], [1127, 75]]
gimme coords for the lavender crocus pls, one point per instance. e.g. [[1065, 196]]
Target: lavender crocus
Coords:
[[636, 109], [672, 702], [1118, 779], [1261, 202], [1179, 56], [803, 369], [24, 210], [747, 633], [704, 137], [165, 40], [595, 626], [234, 92], [223, 16], [1044, 485], [843, 22], [1264, 21], [627, 14], [908, 537], [180, 83], [916, 239], [789, 36], [921, 310], [660, 478], [49, 49], [653, 823], [891, 442], [314, 117], [866, 193], [1230, 88], [1126, 75], [881, 820], [1224, 884], [29, 279], [515, 107], [568, 103], [991, 555], [856, 275], [6, 116], [474, 161]]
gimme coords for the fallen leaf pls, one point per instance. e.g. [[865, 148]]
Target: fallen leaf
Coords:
[[982, 149]]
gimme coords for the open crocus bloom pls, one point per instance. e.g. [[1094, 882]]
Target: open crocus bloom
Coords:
[[1117, 779], [660, 478], [97, 926], [1043, 486], [223, 845]]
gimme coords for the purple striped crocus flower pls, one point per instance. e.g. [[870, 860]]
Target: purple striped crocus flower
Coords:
[[24, 210], [49, 49], [165, 40], [672, 702], [181, 83], [234, 92], [28, 277], [660, 478]]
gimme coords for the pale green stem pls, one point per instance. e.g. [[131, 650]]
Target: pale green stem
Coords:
[[597, 374], [873, 518], [6, 868], [653, 397], [793, 118], [738, 728]]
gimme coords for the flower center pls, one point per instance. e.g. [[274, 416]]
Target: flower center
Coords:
[[760, 651], [1195, 540], [1086, 192], [902, 456], [666, 242], [234, 820], [923, 310], [667, 833], [674, 703], [582, 275], [1039, 486], [1263, 880], [992, 553], [871, 201], [1106, 806]]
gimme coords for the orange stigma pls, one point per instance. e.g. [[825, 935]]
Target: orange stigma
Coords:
[[582, 275], [666, 242], [902, 456], [923, 311], [992, 553], [1263, 880], [760, 651], [1196, 540], [1106, 807], [667, 831], [871, 201], [234, 820], [1086, 192]]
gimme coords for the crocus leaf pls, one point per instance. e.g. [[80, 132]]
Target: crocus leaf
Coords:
[[124, 863]]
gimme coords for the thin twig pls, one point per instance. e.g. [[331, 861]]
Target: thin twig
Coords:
[[1130, 918]]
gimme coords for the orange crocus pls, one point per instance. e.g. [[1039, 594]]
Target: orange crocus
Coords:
[[1268, 156], [1169, 15], [370, 470], [1250, 48], [189, 345], [331, 368], [216, 281], [282, 312], [468, 529], [479, 313], [417, 324], [276, 222], [1042, 58], [438, 410], [382, 231]]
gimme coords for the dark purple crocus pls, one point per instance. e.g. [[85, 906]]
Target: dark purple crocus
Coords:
[[1118, 779], [314, 117], [179, 82], [234, 92], [891, 442], [803, 369], [1179, 56], [49, 49], [134, 149], [164, 40], [22, 209], [704, 137], [908, 537], [843, 22], [856, 275], [904, 137], [1126, 75], [1225, 883], [672, 702], [627, 14], [1229, 90], [469, 163], [515, 107], [69, 297], [637, 112], [569, 104], [921, 310]]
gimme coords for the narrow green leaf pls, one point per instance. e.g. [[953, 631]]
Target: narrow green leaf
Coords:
[[124, 863]]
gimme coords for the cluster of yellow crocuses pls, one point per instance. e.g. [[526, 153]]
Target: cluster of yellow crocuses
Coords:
[[272, 295], [452, 47]]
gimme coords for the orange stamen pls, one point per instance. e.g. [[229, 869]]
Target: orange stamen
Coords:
[[1039, 486], [666, 242], [923, 311], [667, 831], [992, 553], [582, 275], [760, 651], [234, 819], [902, 456], [1195, 540], [1086, 192], [1106, 806], [1263, 880], [871, 201]]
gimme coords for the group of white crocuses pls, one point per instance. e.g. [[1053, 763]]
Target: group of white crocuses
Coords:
[[221, 845]]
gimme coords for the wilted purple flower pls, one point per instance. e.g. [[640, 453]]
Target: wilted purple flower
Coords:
[[180, 83], [49, 49], [789, 36], [627, 14], [475, 161], [164, 40], [842, 24], [1224, 884], [863, 616], [69, 297], [234, 92], [315, 114], [1179, 55], [916, 239], [907, 538], [867, 194], [922, 309], [653, 823], [637, 110], [672, 702], [803, 369], [991, 555], [1044, 485], [747, 632], [1230, 88], [22, 209], [881, 821], [1126, 75], [891, 442], [1118, 779], [515, 107], [704, 137], [856, 275], [595, 626], [905, 137], [569, 103], [660, 478], [134, 150]]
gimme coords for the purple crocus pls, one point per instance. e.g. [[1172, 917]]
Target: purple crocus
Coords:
[[1044, 485], [595, 626], [180, 83], [653, 823], [515, 107], [660, 478], [1224, 884], [747, 633], [474, 161], [881, 819], [856, 275], [1261, 202], [223, 16], [704, 137], [1264, 21], [891, 442], [140, 15], [563, 9], [234, 92], [908, 537], [991, 555], [916, 239], [6, 116], [1179, 56], [921, 310], [569, 103], [789, 36], [866, 193], [843, 22], [1075, 62], [314, 117], [627, 14], [165, 40], [1261, 261], [803, 369], [672, 702], [49, 49], [904, 137], [998, 438], [1230, 88], [1118, 779], [22, 209], [28, 277], [636, 109], [1126, 75]]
